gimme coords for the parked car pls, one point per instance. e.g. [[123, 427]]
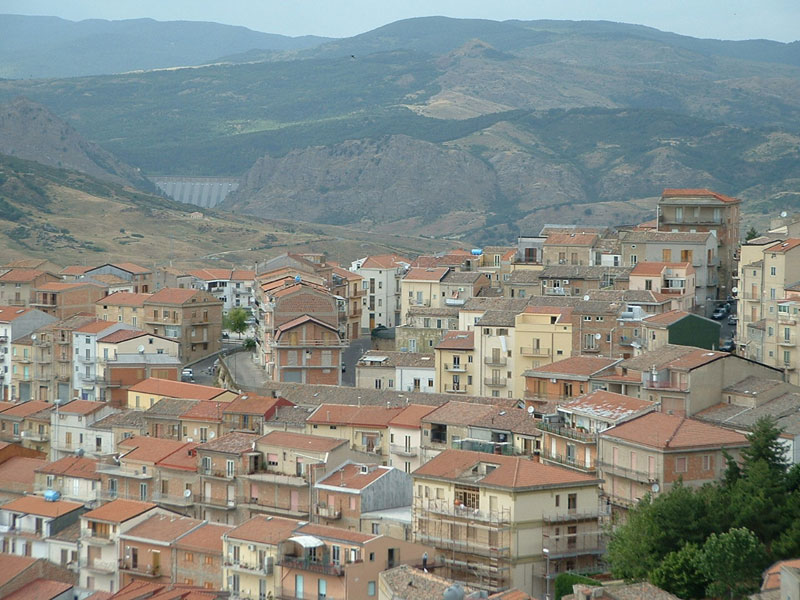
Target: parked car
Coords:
[[727, 346], [719, 313], [732, 320]]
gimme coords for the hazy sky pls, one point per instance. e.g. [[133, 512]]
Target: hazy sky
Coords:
[[727, 19]]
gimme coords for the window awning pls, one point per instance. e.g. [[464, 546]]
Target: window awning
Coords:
[[307, 541]]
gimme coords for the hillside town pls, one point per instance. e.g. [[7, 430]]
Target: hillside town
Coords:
[[396, 426]]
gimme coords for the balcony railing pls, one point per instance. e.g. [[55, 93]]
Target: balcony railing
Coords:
[[121, 471], [570, 432], [224, 503], [488, 447], [401, 450], [328, 512], [140, 570], [456, 367], [495, 361], [173, 500], [531, 351], [639, 475], [306, 564], [287, 594], [574, 545], [649, 384], [567, 461], [495, 381], [101, 566], [449, 389]]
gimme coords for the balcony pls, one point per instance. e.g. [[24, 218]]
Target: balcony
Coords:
[[535, 352], [627, 472], [119, 470], [169, 500], [455, 367], [571, 462], [555, 291], [140, 570], [569, 432], [101, 566], [449, 389], [291, 595], [495, 361], [35, 436], [572, 516], [497, 382], [328, 512], [402, 450], [672, 386], [248, 568], [489, 447], [217, 473], [447, 508], [574, 545], [789, 342], [210, 501], [306, 564]]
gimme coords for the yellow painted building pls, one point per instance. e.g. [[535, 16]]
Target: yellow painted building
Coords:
[[146, 393], [542, 335], [455, 363]]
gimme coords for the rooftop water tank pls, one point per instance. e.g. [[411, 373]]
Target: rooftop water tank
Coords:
[[477, 252], [52, 495]]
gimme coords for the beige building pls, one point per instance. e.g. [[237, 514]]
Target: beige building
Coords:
[[542, 335], [455, 368], [500, 521], [678, 280], [364, 427]]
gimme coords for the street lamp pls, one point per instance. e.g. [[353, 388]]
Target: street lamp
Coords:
[[546, 552]]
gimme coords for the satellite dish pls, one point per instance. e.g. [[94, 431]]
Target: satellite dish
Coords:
[[187, 493], [735, 290], [586, 297], [79, 452], [140, 349], [530, 410], [33, 337], [211, 434], [784, 214], [597, 336], [655, 488]]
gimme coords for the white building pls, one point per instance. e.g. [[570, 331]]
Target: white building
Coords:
[[16, 322], [27, 522], [405, 437], [402, 371], [382, 275], [233, 286], [71, 432], [85, 373]]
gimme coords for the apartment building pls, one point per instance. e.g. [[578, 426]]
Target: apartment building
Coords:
[[565, 379], [701, 210], [570, 439], [164, 418], [12, 419], [454, 359], [62, 300], [192, 317], [141, 278], [678, 280], [101, 547], [202, 421], [438, 287], [495, 355], [700, 249], [676, 327], [364, 427], [86, 381], [17, 286], [571, 280], [570, 248], [122, 307], [405, 437], [506, 430], [74, 477], [424, 327], [543, 335], [36, 431], [648, 454], [381, 282], [233, 287], [501, 521], [26, 523], [249, 412], [350, 286], [355, 496], [306, 350], [148, 551], [402, 371], [70, 426], [15, 323], [199, 556]]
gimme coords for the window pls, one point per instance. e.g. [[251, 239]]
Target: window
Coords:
[[706, 462], [773, 271], [188, 557], [680, 464], [572, 501], [558, 500], [370, 588], [230, 468]]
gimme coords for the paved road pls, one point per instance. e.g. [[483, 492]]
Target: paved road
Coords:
[[247, 374], [350, 357]]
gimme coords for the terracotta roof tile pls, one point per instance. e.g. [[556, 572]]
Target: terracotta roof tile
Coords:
[[606, 406], [72, 466], [10, 313], [119, 510], [575, 366], [350, 476], [301, 441], [163, 528], [183, 458], [143, 448], [411, 416], [20, 469], [124, 299], [176, 389], [370, 416], [772, 576], [458, 413], [75, 270], [12, 565], [571, 239], [642, 237], [235, 442], [509, 472], [264, 530], [385, 261], [207, 538], [20, 275], [396, 359], [429, 274], [173, 296], [284, 327], [666, 318], [784, 246], [123, 335], [409, 583], [40, 589], [132, 268], [514, 420], [672, 356], [54, 286], [37, 505], [457, 340], [205, 410], [82, 407], [513, 594], [698, 192], [657, 268], [24, 409], [671, 432]]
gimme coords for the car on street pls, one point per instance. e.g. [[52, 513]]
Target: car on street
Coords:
[[732, 320], [719, 313], [727, 346]]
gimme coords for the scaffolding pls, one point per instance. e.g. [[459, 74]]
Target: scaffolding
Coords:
[[473, 545]]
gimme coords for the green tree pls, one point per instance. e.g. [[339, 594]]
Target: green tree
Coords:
[[751, 233], [679, 573], [765, 445], [732, 562], [236, 321], [788, 543], [758, 502]]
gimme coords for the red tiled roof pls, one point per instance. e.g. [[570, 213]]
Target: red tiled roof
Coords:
[[697, 192], [24, 409], [21, 469], [772, 576], [301, 441], [37, 505], [176, 389], [10, 313], [571, 239], [75, 270], [265, 530], [350, 477], [345, 274], [510, 471], [40, 589], [426, 274], [606, 405], [54, 286], [251, 404], [671, 432], [411, 416], [784, 246], [123, 335], [206, 538], [20, 275], [564, 312], [657, 268], [132, 268], [124, 299], [119, 511], [384, 261], [344, 414], [284, 327], [72, 466], [149, 449], [183, 458], [172, 296], [205, 410], [95, 326], [666, 318], [163, 528], [457, 340], [82, 407], [233, 442], [580, 366], [12, 565]]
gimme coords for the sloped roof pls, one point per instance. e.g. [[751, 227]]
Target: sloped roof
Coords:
[[148, 449], [206, 538], [385, 261], [571, 239], [124, 299], [369, 416], [411, 416], [671, 432], [235, 442], [72, 466], [20, 275], [176, 389], [264, 530], [674, 357], [575, 366], [301, 441], [119, 510], [457, 340], [351, 477], [606, 406], [37, 505], [426, 274], [163, 528], [697, 193]]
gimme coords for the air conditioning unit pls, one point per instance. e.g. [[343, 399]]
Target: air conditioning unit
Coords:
[[566, 282], [251, 547]]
